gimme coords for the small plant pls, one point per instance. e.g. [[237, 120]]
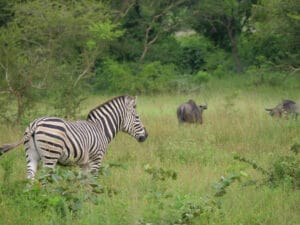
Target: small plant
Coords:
[[253, 164], [285, 170], [224, 182], [193, 211], [295, 148], [66, 191], [160, 173]]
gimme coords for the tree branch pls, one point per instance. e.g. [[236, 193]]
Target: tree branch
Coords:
[[84, 72], [147, 42], [11, 90]]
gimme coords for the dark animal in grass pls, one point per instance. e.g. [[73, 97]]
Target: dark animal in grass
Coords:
[[285, 108], [190, 112]]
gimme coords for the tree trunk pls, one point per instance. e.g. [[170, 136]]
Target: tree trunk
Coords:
[[20, 108], [234, 50]]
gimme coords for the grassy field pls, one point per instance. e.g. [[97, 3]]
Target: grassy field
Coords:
[[174, 176]]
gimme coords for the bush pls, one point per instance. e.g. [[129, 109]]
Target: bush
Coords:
[[154, 78], [113, 76], [194, 50], [202, 77], [284, 170]]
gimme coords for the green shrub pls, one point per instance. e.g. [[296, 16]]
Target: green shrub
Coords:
[[113, 76], [194, 50], [154, 78], [201, 77], [284, 170]]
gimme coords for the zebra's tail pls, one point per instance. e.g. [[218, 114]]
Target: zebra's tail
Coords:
[[28, 133], [7, 147]]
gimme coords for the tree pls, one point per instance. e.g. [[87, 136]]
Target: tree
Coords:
[[52, 46], [146, 22], [223, 22], [278, 21]]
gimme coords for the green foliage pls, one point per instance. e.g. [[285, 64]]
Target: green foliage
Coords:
[[296, 148], [114, 76], [105, 31], [194, 51], [6, 12], [194, 211], [265, 75], [167, 51], [63, 190], [220, 186], [49, 48], [202, 77], [160, 173], [155, 77], [284, 170], [253, 164], [133, 78], [276, 31], [52, 52]]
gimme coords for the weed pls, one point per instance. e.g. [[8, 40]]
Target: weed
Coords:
[[284, 170], [160, 173]]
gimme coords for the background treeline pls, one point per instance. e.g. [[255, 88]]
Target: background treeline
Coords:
[[59, 52]]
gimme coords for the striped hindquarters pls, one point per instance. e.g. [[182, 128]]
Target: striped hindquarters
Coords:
[[65, 142]]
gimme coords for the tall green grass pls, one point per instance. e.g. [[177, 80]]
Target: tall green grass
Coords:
[[234, 123]]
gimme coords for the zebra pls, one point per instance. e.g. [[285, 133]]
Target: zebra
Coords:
[[54, 140]]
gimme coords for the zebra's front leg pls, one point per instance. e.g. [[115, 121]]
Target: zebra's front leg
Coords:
[[95, 162], [94, 166]]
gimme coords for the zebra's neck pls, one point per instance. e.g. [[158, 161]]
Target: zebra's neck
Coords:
[[108, 116]]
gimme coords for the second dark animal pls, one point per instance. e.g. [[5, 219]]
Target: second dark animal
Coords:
[[285, 108], [190, 112]]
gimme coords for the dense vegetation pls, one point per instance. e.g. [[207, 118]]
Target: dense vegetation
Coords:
[[60, 52], [63, 58]]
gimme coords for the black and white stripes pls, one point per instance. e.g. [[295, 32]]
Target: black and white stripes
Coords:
[[53, 140]]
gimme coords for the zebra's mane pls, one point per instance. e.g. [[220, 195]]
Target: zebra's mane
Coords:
[[108, 101]]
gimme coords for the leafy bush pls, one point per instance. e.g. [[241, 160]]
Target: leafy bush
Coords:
[[263, 73], [154, 77], [201, 77], [194, 50], [284, 170], [160, 173], [66, 191], [113, 76]]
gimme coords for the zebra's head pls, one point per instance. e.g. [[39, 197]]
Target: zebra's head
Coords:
[[132, 123]]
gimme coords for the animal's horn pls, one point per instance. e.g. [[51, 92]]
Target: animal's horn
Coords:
[[205, 106]]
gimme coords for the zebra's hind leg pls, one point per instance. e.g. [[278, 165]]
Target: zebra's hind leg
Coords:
[[48, 169], [32, 158]]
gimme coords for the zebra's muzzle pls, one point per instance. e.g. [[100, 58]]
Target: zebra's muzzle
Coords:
[[142, 138]]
